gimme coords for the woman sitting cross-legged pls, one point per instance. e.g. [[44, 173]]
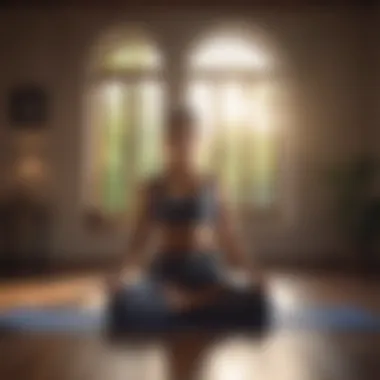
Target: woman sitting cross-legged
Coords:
[[186, 282]]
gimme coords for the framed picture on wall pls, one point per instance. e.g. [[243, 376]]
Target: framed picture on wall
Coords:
[[28, 107]]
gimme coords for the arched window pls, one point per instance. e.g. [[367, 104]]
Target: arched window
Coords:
[[125, 101], [230, 87]]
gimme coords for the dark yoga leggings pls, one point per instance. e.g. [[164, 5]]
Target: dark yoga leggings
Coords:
[[143, 307]]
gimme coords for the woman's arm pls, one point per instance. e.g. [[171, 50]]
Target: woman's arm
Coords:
[[141, 228], [229, 239], [184, 299]]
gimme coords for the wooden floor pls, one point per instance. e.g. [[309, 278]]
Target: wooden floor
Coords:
[[283, 355]]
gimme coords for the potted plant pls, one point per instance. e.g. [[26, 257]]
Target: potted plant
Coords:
[[357, 206]]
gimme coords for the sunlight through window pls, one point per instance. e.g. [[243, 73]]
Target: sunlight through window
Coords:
[[227, 53], [232, 95], [124, 121]]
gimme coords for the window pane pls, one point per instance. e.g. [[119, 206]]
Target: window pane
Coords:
[[125, 123], [242, 141], [125, 144], [233, 121], [128, 50], [202, 100], [150, 106], [264, 169], [115, 148], [94, 148], [265, 145], [243, 138], [227, 53], [133, 56]]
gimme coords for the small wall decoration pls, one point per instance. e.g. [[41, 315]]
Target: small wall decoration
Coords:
[[28, 106]]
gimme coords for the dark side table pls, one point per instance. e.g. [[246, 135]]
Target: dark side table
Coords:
[[24, 235]]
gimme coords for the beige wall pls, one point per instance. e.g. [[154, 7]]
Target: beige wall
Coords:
[[375, 34], [374, 142], [322, 50]]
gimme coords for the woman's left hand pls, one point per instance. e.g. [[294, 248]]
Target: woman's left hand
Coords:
[[178, 299], [258, 279]]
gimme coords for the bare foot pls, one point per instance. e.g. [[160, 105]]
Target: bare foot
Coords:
[[117, 281]]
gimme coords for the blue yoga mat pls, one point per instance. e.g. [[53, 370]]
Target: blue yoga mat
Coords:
[[336, 318], [333, 318], [65, 320]]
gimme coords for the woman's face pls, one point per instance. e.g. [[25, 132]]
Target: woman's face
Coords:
[[181, 146]]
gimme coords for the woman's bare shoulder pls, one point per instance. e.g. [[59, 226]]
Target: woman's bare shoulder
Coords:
[[212, 181], [151, 185], [217, 186], [209, 179]]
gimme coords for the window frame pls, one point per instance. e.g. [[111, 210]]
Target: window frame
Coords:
[[247, 210], [95, 213]]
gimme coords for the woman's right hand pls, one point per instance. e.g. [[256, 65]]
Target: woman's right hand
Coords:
[[125, 277], [178, 299], [113, 283]]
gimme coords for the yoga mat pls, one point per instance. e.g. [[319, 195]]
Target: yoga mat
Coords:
[[331, 318], [335, 318]]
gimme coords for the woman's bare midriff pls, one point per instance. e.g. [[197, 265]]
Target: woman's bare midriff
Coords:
[[182, 240]]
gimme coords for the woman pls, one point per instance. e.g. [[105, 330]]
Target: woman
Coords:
[[188, 285]]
